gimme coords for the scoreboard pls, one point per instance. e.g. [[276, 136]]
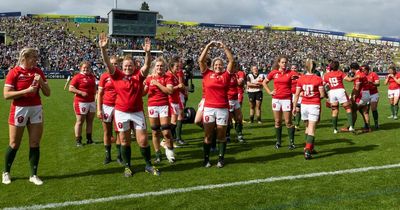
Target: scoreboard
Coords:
[[132, 23]]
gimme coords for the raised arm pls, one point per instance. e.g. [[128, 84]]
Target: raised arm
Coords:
[[147, 58], [103, 42], [202, 59], [231, 60]]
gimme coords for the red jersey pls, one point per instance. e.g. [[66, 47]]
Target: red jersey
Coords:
[[203, 91], [372, 77], [85, 83], [216, 89], [335, 79], [282, 83], [174, 97], [155, 96], [20, 79], [181, 78], [294, 81], [241, 76], [393, 84], [106, 84], [361, 80], [233, 88], [310, 85], [129, 91]]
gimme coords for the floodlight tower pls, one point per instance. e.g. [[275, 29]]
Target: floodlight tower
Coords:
[[115, 4]]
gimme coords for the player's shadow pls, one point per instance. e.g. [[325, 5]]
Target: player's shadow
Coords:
[[344, 150], [389, 126], [113, 170], [297, 152], [321, 142], [328, 123], [192, 130]]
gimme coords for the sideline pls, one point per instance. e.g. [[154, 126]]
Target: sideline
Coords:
[[204, 187]]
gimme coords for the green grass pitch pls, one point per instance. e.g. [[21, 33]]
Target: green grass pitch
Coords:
[[70, 173]]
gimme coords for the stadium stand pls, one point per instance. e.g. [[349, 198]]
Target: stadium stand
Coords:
[[61, 48]]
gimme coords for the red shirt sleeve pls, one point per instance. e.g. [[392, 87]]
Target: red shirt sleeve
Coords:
[[75, 80], [169, 80], [102, 81], [10, 78], [270, 76], [343, 75], [40, 72]]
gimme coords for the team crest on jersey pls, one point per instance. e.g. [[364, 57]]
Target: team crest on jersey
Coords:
[[20, 119], [276, 75], [120, 125], [105, 116], [21, 77], [151, 111], [206, 118], [83, 109]]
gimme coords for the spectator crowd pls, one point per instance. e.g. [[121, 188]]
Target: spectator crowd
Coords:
[[61, 50]]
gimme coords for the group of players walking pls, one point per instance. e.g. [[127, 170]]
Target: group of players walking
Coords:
[[122, 87]]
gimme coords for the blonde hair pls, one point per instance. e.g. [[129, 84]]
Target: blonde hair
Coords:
[[158, 59], [309, 65], [27, 53], [83, 63], [127, 57]]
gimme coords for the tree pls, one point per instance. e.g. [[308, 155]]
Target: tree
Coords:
[[145, 6]]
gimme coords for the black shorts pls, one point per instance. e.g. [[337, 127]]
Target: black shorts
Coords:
[[255, 96]]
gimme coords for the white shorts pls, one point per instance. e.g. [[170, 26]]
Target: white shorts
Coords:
[[364, 100], [182, 97], [218, 115], [124, 120], [158, 111], [233, 105], [310, 112], [108, 113], [374, 97], [284, 105], [176, 109], [82, 108], [298, 101], [200, 107], [338, 95], [21, 115], [393, 93]]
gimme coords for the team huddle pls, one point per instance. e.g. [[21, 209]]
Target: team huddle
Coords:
[[118, 102]]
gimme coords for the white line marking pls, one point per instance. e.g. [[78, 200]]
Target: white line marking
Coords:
[[204, 187]]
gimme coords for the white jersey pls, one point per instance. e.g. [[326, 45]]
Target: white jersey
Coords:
[[255, 79]]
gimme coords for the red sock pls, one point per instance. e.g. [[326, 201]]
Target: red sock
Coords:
[[309, 146]]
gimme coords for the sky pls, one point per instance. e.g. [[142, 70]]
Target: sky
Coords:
[[378, 17]]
